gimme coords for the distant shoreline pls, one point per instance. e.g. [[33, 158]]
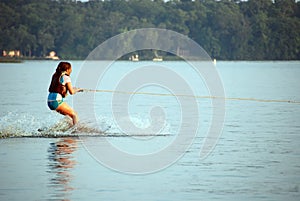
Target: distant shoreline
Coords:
[[10, 60], [22, 59]]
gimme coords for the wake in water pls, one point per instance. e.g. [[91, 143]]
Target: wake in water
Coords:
[[65, 128], [25, 125]]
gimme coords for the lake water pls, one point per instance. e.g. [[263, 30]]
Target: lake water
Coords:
[[112, 155]]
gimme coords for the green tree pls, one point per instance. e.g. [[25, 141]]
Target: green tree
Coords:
[[253, 29], [257, 14]]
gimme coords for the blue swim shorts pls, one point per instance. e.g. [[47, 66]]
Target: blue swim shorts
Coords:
[[53, 104], [54, 100]]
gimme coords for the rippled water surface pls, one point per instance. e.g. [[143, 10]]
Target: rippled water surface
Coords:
[[255, 158]]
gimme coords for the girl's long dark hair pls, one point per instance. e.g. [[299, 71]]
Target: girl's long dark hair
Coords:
[[62, 67]]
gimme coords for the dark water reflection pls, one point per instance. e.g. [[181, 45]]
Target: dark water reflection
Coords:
[[61, 163]]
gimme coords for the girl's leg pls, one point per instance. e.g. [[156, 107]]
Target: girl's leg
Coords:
[[65, 109]]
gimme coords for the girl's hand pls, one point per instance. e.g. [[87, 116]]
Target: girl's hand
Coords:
[[78, 89]]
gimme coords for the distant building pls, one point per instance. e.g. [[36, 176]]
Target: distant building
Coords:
[[134, 58], [52, 55], [159, 58], [11, 53]]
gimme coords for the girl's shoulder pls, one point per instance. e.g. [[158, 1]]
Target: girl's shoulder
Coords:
[[65, 79]]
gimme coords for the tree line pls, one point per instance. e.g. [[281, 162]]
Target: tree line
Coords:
[[226, 29]]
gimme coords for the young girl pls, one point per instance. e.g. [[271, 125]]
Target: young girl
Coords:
[[59, 88]]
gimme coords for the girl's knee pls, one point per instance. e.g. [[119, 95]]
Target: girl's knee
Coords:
[[73, 114]]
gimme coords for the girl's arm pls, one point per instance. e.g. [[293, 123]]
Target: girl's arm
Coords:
[[71, 89]]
